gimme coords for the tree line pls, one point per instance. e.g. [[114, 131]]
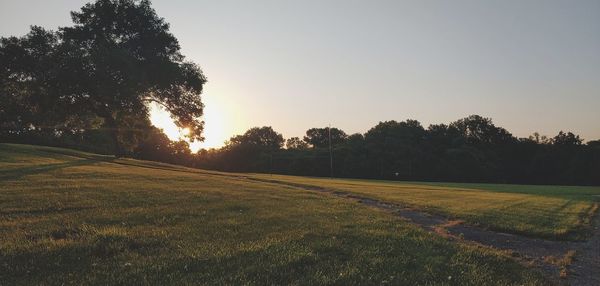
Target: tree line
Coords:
[[471, 149]]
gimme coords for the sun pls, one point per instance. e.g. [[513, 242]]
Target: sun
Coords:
[[214, 128]]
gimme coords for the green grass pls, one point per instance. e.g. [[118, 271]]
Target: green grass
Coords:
[[73, 218], [554, 212]]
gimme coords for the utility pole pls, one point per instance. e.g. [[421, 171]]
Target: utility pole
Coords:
[[330, 153]]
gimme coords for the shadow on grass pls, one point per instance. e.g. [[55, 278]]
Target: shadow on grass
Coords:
[[17, 173], [44, 211]]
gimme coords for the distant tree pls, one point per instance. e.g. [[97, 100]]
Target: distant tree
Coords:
[[351, 157], [355, 140], [442, 136], [540, 139], [319, 137], [181, 152], [156, 146], [251, 151], [594, 143], [295, 143], [566, 139], [395, 147], [480, 130], [264, 137]]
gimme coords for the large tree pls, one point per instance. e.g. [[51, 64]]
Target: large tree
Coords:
[[118, 57]]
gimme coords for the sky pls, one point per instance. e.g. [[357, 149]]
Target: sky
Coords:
[[531, 66]]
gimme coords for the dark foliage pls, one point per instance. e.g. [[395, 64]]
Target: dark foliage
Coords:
[[319, 137], [471, 149], [99, 73]]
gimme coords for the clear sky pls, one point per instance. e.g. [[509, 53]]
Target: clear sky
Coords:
[[529, 65]]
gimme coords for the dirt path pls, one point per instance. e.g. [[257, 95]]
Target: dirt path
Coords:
[[566, 262], [585, 270]]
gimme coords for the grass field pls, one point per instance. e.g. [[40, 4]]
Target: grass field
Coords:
[[555, 212], [75, 218]]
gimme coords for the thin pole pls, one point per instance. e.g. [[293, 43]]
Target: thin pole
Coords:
[[330, 153]]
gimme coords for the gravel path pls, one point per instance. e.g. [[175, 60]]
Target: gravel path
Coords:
[[585, 270]]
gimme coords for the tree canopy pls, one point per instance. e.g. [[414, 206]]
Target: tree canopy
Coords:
[[117, 58], [263, 137], [566, 139], [319, 137], [295, 143]]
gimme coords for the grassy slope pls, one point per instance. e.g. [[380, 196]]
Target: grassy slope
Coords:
[[77, 218], [557, 212]]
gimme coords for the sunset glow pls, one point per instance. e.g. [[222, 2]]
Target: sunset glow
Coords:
[[216, 128]]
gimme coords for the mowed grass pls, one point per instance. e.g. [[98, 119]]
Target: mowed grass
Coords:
[[553, 212], [71, 218]]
